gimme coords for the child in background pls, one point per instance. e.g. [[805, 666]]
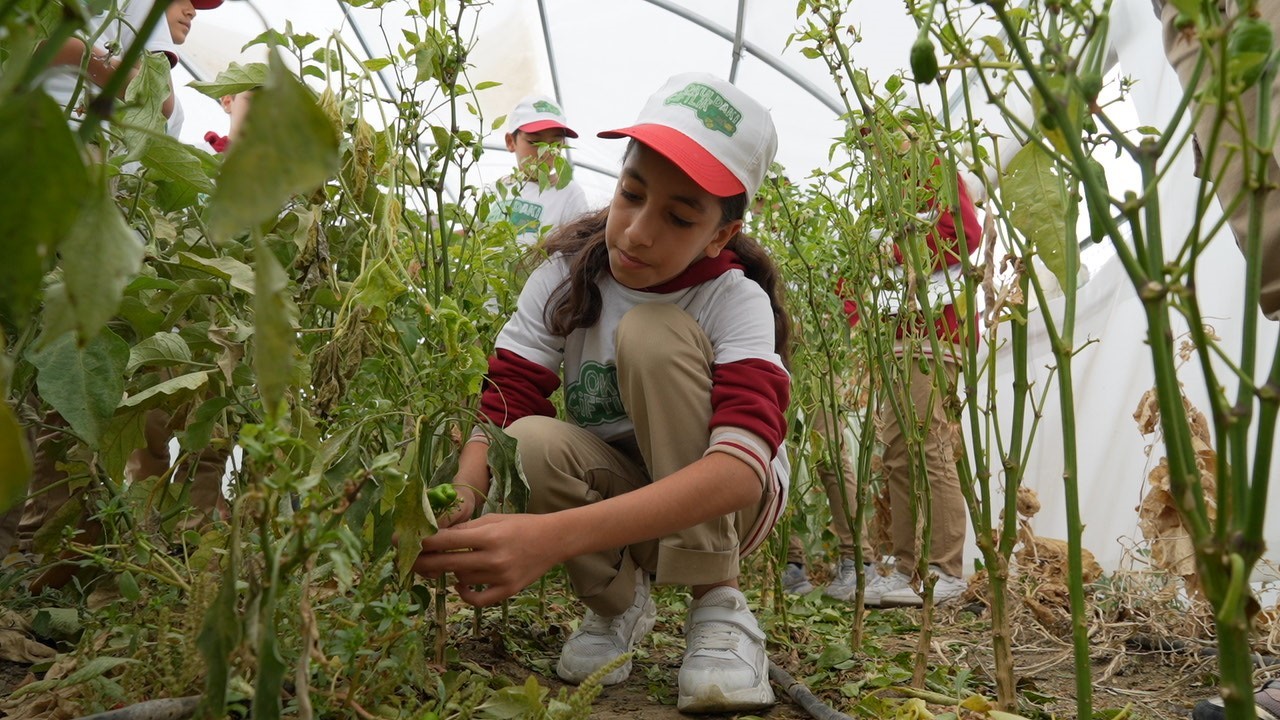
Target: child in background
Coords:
[[537, 131], [667, 324], [47, 493]]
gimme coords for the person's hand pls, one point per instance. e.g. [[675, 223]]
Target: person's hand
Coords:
[[493, 557]]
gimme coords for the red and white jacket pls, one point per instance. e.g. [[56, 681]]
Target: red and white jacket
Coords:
[[750, 388], [946, 252]]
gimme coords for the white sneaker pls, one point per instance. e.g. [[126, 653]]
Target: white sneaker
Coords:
[[946, 589], [845, 584], [881, 585], [795, 581], [599, 640], [725, 667]]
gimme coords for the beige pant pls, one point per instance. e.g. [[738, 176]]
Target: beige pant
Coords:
[[48, 492], [948, 520], [664, 378], [844, 505], [1225, 161]]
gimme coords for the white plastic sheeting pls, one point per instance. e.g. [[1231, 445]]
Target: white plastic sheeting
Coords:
[[608, 57]]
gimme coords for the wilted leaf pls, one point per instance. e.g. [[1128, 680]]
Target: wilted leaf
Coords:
[[287, 146], [235, 79], [83, 385], [376, 288], [44, 183], [273, 337], [1035, 193], [236, 273], [142, 119]]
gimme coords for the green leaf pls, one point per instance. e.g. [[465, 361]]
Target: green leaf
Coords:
[[273, 335], [271, 666], [376, 288], [411, 523], [834, 654], [44, 183], [83, 385], [287, 146], [128, 586], [236, 273], [142, 119], [199, 430], [178, 386], [236, 78], [126, 433], [179, 163], [509, 491], [99, 258], [163, 349], [14, 458], [1034, 191]]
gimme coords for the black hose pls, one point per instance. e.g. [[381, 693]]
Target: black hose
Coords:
[[803, 696]]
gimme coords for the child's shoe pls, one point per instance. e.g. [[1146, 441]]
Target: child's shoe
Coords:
[[946, 589], [881, 585], [795, 581], [599, 640], [845, 584], [725, 666]]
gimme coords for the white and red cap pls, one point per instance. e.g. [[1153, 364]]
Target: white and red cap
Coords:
[[716, 133], [537, 113]]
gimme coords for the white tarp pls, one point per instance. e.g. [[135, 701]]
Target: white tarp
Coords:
[[610, 55]]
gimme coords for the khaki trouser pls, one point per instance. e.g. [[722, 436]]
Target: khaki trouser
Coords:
[[48, 493], [1225, 161], [664, 377], [948, 519], [833, 432]]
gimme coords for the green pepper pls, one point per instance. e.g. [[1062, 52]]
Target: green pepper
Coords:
[[442, 497], [1248, 48], [924, 61]]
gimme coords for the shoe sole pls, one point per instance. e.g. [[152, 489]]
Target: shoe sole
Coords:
[[644, 624], [712, 699]]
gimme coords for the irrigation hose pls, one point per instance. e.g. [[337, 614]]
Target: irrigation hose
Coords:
[[803, 696]]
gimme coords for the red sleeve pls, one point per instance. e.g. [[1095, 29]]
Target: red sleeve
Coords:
[[515, 388], [946, 229], [751, 394]]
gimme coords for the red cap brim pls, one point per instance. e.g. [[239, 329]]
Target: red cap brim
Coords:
[[206, 4], [540, 125], [710, 174]]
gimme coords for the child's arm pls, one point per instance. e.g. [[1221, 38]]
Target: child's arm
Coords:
[[100, 68], [496, 556]]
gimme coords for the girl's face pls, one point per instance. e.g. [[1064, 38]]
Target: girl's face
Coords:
[[180, 14], [661, 221], [537, 148]]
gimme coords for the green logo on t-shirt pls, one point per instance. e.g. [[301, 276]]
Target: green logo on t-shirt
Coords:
[[523, 214], [713, 109], [546, 107], [593, 399]]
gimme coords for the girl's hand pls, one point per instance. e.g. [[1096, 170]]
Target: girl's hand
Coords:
[[493, 557]]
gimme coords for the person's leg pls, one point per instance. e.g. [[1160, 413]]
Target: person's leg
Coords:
[[49, 490], [204, 491], [842, 497], [665, 362], [151, 460], [926, 392], [1224, 161], [569, 467]]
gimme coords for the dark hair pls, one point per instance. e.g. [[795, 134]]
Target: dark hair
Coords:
[[576, 303]]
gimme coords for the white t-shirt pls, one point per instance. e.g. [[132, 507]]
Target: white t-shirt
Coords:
[[60, 82], [530, 208]]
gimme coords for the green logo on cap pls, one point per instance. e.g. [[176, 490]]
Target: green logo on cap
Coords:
[[546, 107], [713, 109]]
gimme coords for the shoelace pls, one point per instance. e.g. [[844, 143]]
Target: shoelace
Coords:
[[594, 624], [713, 636]]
